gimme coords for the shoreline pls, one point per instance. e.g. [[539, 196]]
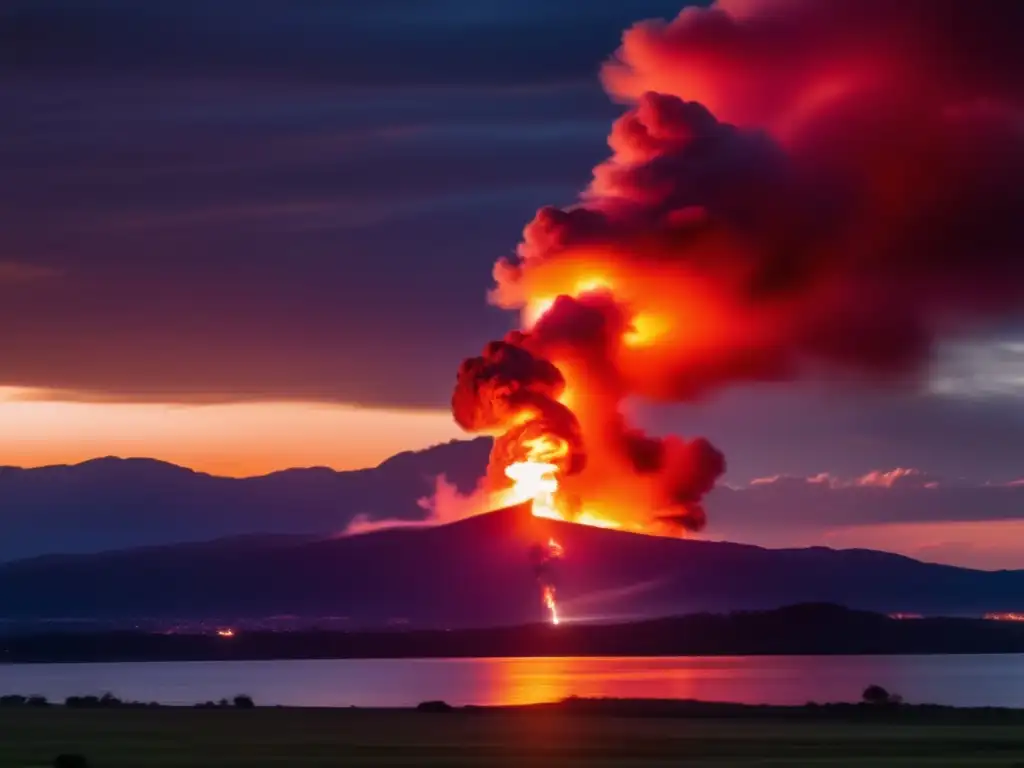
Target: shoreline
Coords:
[[223, 659], [802, 630], [573, 705]]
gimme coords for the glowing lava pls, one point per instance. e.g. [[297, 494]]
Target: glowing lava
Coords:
[[536, 480], [550, 604]]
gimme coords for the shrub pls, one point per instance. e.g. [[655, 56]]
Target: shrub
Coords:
[[877, 695], [12, 700], [82, 702], [37, 701], [434, 706], [243, 701]]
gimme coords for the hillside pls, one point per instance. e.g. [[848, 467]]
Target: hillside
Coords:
[[477, 573]]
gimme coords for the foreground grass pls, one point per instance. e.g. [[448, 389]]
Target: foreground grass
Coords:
[[308, 738]]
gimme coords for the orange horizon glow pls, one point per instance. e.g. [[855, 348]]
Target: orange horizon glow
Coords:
[[240, 439]]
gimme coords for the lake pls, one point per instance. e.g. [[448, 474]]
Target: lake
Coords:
[[989, 680]]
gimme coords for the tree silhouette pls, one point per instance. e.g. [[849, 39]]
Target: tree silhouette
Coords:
[[877, 695]]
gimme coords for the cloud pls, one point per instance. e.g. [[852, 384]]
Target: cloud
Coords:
[[380, 44], [949, 520], [988, 368], [262, 240], [892, 478], [881, 496]]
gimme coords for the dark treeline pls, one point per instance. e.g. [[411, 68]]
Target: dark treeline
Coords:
[[803, 629]]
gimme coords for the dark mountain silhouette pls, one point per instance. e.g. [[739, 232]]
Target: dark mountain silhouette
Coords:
[[477, 572], [114, 503]]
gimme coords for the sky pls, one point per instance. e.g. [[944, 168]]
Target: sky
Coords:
[[245, 235]]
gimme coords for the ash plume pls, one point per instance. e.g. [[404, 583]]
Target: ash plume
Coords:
[[797, 187]]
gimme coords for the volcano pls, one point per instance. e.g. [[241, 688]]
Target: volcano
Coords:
[[477, 572]]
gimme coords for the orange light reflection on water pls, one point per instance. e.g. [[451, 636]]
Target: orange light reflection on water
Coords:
[[546, 679], [530, 681]]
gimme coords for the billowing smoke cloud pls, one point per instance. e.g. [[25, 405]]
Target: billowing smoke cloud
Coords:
[[798, 187]]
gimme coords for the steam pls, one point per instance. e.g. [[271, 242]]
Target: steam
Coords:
[[447, 504]]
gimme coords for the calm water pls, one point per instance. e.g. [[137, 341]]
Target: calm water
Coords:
[[993, 680]]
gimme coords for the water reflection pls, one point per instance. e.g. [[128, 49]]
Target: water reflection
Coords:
[[991, 680], [527, 681]]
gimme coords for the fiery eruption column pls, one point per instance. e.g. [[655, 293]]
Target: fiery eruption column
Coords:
[[785, 197]]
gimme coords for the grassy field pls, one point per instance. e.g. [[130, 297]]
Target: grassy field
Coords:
[[304, 738]]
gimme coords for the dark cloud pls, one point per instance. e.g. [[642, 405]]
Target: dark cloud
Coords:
[[280, 199], [382, 43]]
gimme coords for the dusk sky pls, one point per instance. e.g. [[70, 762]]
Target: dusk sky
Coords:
[[251, 234]]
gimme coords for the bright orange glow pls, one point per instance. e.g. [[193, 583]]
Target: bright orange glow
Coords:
[[534, 680], [536, 480], [555, 549], [550, 604], [1005, 616], [588, 284], [535, 310], [238, 439], [647, 329], [674, 316], [589, 518], [225, 633]]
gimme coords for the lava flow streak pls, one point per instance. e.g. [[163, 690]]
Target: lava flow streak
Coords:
[[543, 556], [550, 604]]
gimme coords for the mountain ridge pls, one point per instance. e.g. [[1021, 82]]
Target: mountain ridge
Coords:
[[116, 503], [478, 572]]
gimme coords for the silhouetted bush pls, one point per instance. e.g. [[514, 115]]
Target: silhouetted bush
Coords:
[[70, 761], [243, 701], [37, 701], [434, 706], [877, 696], [223, 703], [107, 700], [12, 700]]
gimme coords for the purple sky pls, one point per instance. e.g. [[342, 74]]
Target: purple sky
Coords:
[[300, 200]]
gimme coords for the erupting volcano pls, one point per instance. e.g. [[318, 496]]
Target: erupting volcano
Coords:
[[785, 197]]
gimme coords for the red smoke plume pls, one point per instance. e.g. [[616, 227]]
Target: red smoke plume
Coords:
[[797, 185]]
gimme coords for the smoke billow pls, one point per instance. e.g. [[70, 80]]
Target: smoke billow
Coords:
[[797, 186]]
